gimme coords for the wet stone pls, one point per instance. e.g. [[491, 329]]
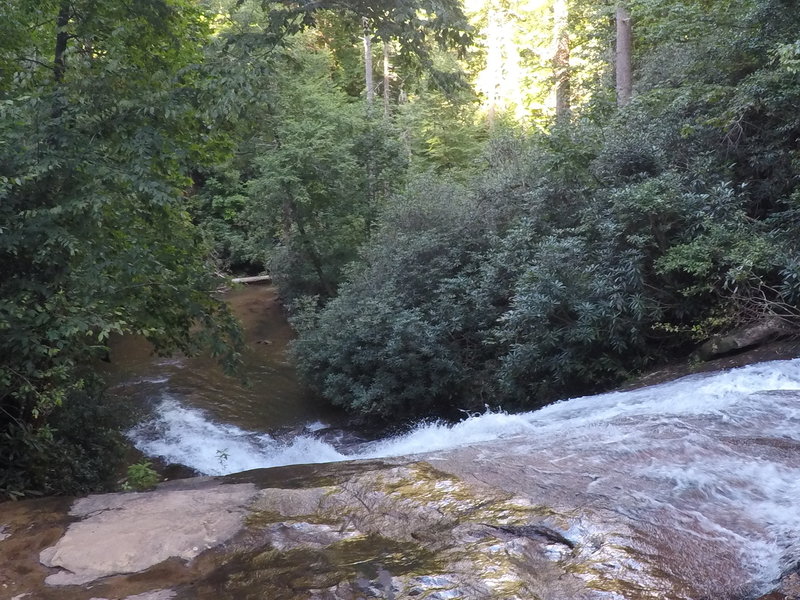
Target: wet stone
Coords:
[[153, 595], [128, 533], [290, 502], [287, 536]]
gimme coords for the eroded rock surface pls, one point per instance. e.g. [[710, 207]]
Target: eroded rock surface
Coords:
[[128, 533], [154, 595], [406, 531], [754, 334], [394, 531]]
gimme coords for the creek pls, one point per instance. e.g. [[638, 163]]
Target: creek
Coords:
[[195, 415], [688, 489]]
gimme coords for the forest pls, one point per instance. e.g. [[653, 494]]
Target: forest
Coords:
[[492, 204]]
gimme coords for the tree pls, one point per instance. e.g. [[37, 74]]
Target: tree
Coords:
[[301, 193], [369, 79], [387, 79], [561, 58], [623, 64], [578, 256], [416, 26], [99, 128]]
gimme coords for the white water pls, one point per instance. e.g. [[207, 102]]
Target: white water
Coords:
[[714, 460], [188, 436]]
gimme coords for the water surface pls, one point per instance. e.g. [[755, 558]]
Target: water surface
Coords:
[[701, 474], [190, 401]]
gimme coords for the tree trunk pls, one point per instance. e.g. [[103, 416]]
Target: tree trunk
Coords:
[[624, 49], [368, 78], [59, 64], [62, 37], [494, 62], [292, 218], [386, 80], [561, 59], [315, 259]]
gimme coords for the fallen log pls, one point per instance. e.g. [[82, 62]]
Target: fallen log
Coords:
[[745, 337], [254, 279]]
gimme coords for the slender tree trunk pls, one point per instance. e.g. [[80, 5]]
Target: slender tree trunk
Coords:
[[624, 50], [386, 80], [387, 89], [286, 217], [402, 98], [62, 37], [59, 62], [561, 59], [369, 83], [368, 77], [494, 61], [53, 183], [315, 259], [292, 218]]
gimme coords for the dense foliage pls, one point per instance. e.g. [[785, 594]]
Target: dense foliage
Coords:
[[578, 256], [456, 207], [311, 162], [116, 120], [96, 143], [299, 192]]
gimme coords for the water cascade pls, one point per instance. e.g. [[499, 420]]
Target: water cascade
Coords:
[[709, 462], [747, 398]]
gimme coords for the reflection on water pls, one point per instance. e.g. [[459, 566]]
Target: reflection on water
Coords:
[[271, 399]]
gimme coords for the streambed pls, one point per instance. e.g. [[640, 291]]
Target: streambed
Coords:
[[686, 490]]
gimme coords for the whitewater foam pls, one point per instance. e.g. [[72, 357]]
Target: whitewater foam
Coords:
[[189, 436], [677, 456]]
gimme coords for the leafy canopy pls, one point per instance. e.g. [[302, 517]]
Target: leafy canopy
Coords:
[[97, 139]]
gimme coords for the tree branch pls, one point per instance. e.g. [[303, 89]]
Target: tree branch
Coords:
[[36, 62]]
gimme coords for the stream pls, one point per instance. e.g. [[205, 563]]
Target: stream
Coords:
[[195, 415], [701, 474]]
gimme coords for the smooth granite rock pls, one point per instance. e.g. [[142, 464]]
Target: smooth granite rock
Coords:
[[128, 533]]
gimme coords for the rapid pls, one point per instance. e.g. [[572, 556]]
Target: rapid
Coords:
[[705, 469]]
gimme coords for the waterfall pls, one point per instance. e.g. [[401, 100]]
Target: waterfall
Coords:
[[181, 434], [703, 472]]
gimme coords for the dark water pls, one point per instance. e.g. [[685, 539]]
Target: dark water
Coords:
[[272, 397]]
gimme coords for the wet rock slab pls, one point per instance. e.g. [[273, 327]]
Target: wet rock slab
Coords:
[[405, 531], [129, 533], [385, 531]]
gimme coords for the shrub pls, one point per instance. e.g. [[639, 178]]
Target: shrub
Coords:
[[393, 342], [141, 476], [64, 456]]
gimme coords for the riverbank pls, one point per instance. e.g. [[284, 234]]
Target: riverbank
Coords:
[[777, 350]]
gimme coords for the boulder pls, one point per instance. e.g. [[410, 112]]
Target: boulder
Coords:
[[128, 533]]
